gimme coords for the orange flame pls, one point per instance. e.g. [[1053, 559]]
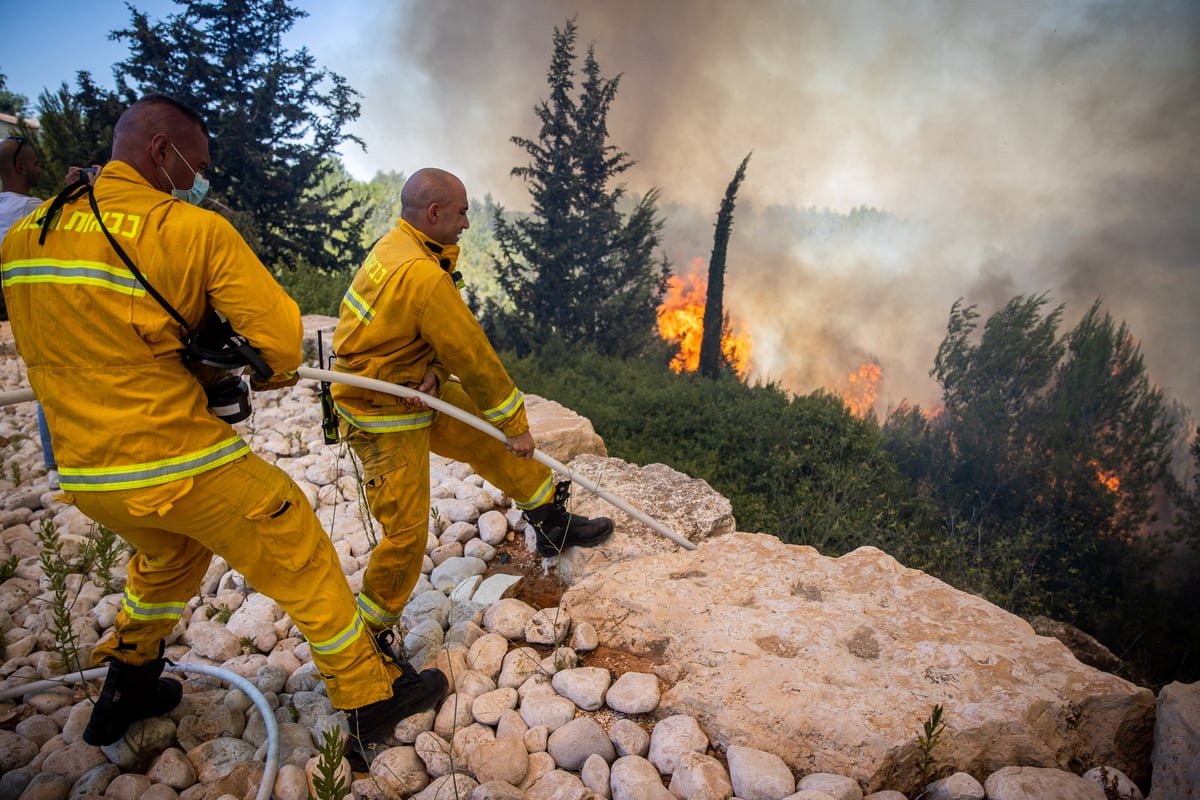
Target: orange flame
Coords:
[[1109, 479], [863, 389], [681, 320]]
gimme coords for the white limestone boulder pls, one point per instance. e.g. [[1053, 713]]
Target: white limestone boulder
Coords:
[[834, 664]]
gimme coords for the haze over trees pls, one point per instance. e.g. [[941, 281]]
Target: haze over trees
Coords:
[[1045, 464]]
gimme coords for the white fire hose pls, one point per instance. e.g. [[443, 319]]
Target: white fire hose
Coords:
[[270, 768], [24, 395], [16, 396], [495, 433]]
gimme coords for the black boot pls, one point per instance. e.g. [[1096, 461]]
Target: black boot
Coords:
[[557, 529], [385, 640], [412, 693], [129, 694]]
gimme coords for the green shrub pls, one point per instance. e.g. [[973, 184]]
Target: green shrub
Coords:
[[314, 290], [802, 468]]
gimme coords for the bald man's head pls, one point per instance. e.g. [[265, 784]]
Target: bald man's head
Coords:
[[165, 140], [435, 202]]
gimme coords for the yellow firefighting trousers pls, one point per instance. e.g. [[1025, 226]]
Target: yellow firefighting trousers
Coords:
[[254, 516], [396, 475]]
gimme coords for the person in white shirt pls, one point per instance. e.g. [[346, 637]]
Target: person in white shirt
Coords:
[[19, 171]]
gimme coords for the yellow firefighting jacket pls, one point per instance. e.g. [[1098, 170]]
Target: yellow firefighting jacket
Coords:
[[103, 355], [402, 316]]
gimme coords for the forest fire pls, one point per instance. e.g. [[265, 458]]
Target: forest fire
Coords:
[[1109, 479], [681, 320], [863, 389]]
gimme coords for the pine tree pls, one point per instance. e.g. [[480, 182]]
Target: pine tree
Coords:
[[715, 320], [1048, 458], [1108, 434], [575, 270], [76, 129], [1186, 496], [275, 119], [994, 394], [12, 102]]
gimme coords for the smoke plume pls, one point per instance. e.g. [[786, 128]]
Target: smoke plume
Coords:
[[1019, 147]]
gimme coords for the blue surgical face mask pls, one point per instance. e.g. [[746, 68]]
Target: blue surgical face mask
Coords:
[[199, 183]]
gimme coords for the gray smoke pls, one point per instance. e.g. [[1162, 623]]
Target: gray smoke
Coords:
[[1019, 147]]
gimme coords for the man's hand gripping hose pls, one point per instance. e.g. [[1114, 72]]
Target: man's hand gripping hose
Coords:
[[495, 433]]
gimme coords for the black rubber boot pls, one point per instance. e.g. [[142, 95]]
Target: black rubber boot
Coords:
[[557, 529], [413, 692], [129, 694]]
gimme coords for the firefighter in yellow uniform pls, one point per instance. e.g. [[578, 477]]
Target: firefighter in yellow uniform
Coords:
[[139, 449], [403, 321]]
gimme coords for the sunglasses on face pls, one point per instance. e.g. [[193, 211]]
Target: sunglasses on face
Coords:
[[20, 140]]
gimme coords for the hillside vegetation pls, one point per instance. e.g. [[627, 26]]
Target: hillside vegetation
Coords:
[[808, 471]]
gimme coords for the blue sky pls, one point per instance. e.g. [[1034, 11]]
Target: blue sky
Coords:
[[1033, 145], [43, 53]]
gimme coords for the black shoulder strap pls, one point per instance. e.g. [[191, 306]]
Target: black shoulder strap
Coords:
[[228, 339], [75, 191], [162, 301]]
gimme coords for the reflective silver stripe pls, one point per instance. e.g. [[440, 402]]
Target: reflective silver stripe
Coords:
[[376, 614], [341, 641], [359, 306], [506, 409], [389, 424], [539, 497], [86, 273], [153, 472], [151, 611]]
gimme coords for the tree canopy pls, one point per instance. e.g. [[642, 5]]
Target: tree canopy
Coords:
[[1045, 461], [275, 119], [576, 269], [11, 102], [1186, 494], [76, 128]]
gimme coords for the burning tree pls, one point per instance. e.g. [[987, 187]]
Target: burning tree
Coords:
[[862, 389], [1044, 462], [680, 321], [575, 270]]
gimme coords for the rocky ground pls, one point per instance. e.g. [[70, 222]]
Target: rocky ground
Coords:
[[542, 708]]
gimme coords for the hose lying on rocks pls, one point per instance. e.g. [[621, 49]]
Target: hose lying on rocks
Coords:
[[16, 396], [495, 433], [271, 766]]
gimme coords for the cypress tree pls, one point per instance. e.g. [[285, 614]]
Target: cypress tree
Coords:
[[576, 270], [714, 313]]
